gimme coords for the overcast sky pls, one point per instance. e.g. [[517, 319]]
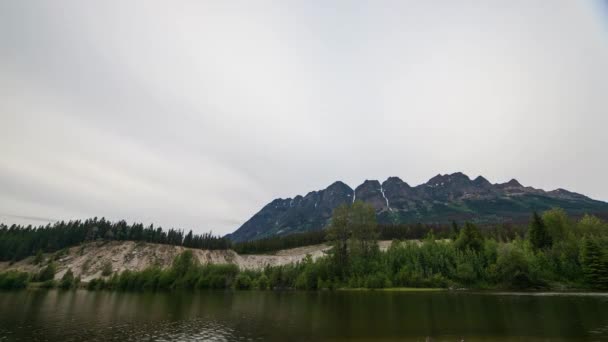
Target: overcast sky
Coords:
[[196, 114]]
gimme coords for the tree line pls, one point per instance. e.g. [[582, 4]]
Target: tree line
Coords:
[[554, 252], [18, 242], [417, 231]]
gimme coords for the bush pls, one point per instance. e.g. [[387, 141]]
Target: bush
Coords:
[[377, 281], [49, 284], [47, 273], [242, 282], [39, 258], [512, 267], [262, 282], [60, 253], [67, 281], [470, 238], [13, 280], [106, 269]]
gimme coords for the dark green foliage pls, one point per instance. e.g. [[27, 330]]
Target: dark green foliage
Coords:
[[385, 232], [455, 230], [594, 259], [498, 260], [39, 258], [512, 268], [185, 273], [591, 226], [470, 238], [67, 281], [184, 263], [492, 258], [262, 282], [538, 234], [243, 282], [96, 284], [280, 242], [106, 269], [353, 232], [47, 273], [18, 242], [13, 280], [338, 235]]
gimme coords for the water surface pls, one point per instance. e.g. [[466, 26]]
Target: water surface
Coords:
[[37, 315]]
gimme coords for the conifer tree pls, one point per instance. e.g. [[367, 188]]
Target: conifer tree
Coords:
[[538, 234], [470, 238], [595, 264]]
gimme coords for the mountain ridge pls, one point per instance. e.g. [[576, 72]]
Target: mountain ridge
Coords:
[[442, 199]]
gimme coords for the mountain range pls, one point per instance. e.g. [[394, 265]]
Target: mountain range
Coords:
[[444, 198]]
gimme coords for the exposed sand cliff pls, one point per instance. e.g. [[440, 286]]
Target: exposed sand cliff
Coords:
[[88, 260]]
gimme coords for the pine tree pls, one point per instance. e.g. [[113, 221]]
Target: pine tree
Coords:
[[538, 234], [470, 238], [595, 264], [338, 235], [455, 230]]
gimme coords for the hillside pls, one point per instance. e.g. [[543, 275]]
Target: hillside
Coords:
[[440, 200], [87, 260]]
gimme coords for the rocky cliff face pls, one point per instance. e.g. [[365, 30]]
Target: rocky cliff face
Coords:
[[440, 200]]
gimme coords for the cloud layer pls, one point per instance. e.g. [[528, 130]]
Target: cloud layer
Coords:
[[196, 114]]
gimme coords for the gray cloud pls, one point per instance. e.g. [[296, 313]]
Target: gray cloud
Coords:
[[196, 114]]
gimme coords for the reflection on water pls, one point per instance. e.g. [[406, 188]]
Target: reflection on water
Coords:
[[311, 316]]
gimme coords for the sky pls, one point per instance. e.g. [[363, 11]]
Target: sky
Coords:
[[195, 114]]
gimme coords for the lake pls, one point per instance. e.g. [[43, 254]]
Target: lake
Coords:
[[38, 315]]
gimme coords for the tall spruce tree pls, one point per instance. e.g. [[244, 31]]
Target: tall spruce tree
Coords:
[[595, 264], [338, 235], [470, 238], [538, 235]]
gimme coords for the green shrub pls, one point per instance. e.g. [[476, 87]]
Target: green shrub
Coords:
[[12, 280], [377, 281], [39, 258], [262, 282], [47, 273], [106, 269], [512, 267], [242, 282], [49, 284], [67, 281]]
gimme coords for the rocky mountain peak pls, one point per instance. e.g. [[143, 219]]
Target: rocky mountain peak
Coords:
[[368, 185], [339, 186], [442, 199], [480, 181], [454, 178], [514, 183], [394, 181], [371, 191]]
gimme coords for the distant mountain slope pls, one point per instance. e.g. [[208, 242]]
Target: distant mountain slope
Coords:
[[440, 200]]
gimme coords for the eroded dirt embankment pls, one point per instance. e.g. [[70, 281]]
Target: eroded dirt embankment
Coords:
[[88, 260]]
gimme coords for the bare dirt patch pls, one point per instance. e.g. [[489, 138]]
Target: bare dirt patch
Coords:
[[88, 260]]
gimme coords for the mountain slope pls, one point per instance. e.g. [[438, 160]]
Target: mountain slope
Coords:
[[440, 200]]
